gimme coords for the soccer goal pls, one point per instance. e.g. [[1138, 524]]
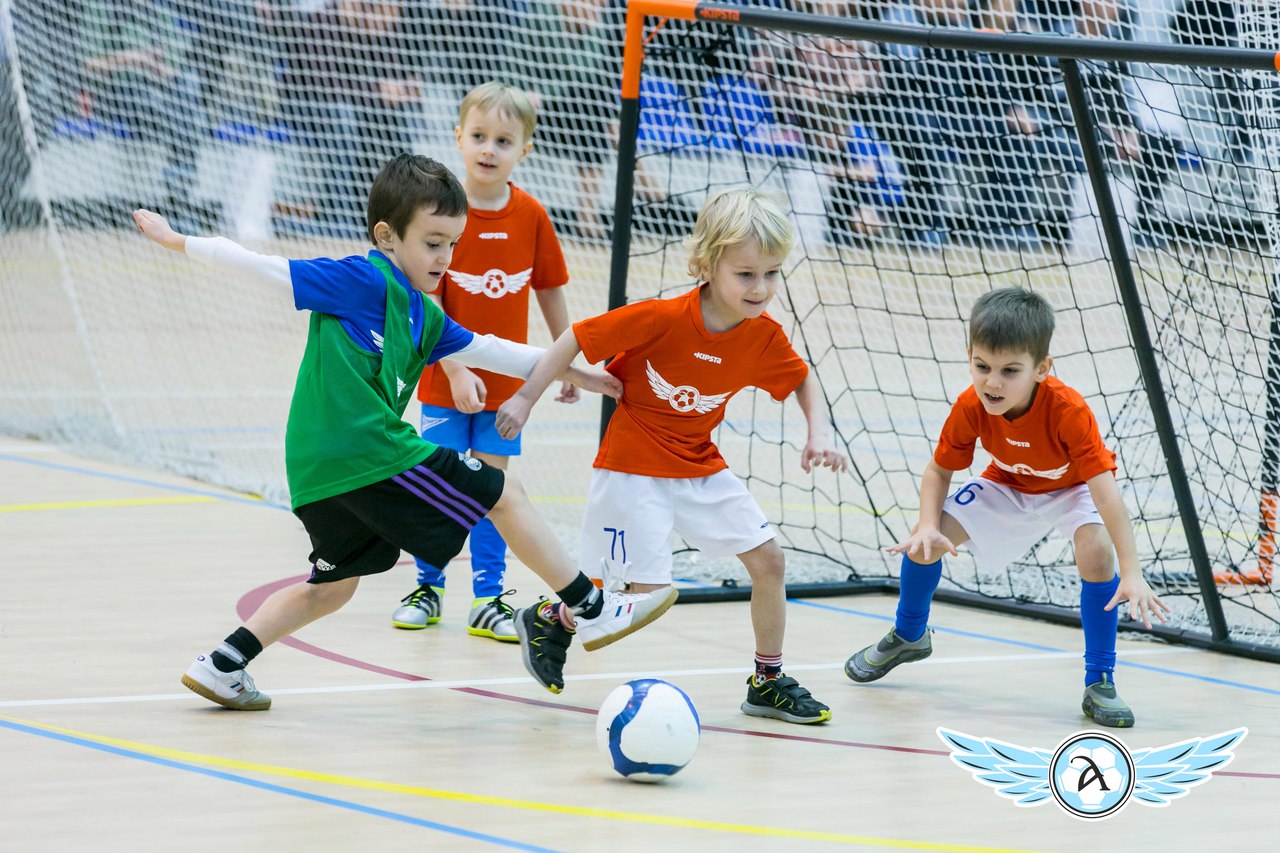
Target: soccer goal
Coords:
[[1130, 182], [924, 162]]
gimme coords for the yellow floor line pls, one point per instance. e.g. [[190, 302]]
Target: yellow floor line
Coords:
[[189, 499], [504, 802]]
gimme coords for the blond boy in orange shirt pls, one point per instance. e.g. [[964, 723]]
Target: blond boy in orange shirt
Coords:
[[657, 470]]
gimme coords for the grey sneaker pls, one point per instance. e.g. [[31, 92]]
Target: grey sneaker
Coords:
[[1104, 706], [493, 618], [875, 661], [419, 609], [234, 690]]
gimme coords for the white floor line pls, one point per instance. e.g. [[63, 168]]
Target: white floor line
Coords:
[[606, 676]]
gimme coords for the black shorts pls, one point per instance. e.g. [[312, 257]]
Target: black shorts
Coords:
[[427, 511]]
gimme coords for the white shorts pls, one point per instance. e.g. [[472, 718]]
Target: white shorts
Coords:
[[630, 517], [1003, 524]]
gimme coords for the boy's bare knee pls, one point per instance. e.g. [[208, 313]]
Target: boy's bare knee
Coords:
[[336, 594], [1095, 558], [513, 494], [765, 563]]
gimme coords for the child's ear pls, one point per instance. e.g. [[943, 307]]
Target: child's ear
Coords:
[[1043, 368], [457, 135], [528, 146], [383, 234]]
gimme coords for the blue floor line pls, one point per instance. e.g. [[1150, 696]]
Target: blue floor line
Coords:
[[804, 602], [278, 789]]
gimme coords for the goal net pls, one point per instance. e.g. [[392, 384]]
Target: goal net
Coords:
[[918, 178], [921, 177]]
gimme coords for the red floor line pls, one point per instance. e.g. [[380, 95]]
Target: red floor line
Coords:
[[253, 599]]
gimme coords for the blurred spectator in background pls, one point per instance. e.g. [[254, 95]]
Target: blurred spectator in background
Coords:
[[347, 90], [1213, 23], [475, 41], [861, 180], [134, 83], [15, 211], [1143, 152], [572, 62]]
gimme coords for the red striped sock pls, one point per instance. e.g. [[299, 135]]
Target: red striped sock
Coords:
[[767, 666]]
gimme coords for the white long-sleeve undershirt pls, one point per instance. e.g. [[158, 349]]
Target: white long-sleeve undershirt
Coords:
[[485, 352]]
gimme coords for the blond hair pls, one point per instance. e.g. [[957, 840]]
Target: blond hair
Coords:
[[732, 217], [504, 99]]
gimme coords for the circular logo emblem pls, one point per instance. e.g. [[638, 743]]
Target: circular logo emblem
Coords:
[[495, 284], [1091, 775], [684, 398]]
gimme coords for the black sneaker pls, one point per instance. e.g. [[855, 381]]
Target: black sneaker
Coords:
[[783, 698], [543, 644]]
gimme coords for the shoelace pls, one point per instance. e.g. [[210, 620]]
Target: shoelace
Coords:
[[504, 608], [417, 595]]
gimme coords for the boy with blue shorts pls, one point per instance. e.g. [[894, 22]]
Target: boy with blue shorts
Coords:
[[508, 250], [362, 481], [1049, 470]]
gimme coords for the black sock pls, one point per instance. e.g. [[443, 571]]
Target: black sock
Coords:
[[236, 651], [582, 597]]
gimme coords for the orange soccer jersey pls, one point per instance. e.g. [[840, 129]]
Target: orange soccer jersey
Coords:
[[1054, 445], [677, 379], [502, 255]]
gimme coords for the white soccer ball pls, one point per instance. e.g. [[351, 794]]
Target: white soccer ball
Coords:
[[1092, 793], [649, 729]]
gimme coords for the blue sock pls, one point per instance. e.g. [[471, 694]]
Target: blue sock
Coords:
[[488, 560], [916, 591], [429, 575], [1099, 629]]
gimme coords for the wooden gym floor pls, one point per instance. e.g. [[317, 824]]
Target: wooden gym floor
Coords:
[[386, 740]]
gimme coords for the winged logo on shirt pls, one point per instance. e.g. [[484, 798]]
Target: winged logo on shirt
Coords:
[[494, 284], [1027, 471], [683, 398]]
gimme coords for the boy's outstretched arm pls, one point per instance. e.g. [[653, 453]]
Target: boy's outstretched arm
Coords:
[[820, 450], [514, 413], [1133, 588], [926, 539], [214, 251]]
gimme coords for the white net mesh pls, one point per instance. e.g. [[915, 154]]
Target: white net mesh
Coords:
[[918, 179]]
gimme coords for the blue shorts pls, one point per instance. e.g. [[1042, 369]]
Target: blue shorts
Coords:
[[459, 431]]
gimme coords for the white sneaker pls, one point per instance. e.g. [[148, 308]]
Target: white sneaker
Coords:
[[234, 690], [623, 613]]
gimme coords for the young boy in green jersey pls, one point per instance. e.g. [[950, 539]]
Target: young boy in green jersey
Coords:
[[364, 483]]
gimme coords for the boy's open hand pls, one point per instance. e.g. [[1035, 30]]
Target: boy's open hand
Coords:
[[926, 541], [157, 230], [819, 453], [1143, 602]]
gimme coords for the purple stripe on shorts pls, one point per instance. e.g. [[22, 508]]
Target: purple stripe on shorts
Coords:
[[444, 509], [426, 477]]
